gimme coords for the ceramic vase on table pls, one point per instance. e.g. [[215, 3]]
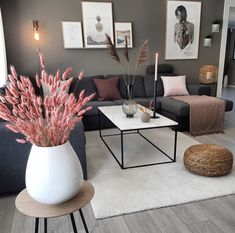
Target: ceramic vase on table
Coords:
[[129, 106], [53, 174], [145, 116]]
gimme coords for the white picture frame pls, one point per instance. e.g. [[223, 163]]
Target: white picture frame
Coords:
[[72, 34], [182, 33], [97, 21], [123, 29]]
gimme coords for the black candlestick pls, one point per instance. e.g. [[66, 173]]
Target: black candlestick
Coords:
[[155, 100]]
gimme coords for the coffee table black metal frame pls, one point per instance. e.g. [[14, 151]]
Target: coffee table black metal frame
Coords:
[[131, 131]]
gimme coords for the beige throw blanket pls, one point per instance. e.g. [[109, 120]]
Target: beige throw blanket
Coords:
[[206, 114]]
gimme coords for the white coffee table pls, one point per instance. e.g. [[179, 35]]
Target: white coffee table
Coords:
[[134, 125]]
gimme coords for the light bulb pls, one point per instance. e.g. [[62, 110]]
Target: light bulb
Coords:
[[36, 35]]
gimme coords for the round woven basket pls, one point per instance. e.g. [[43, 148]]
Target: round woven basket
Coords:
[[208, 160], [212, 78]]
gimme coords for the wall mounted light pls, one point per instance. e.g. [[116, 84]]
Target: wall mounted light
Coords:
[[35, 29], [208, 41], [216, 26]]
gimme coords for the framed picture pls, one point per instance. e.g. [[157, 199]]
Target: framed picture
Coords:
[[72, 35], [122, 30], [97, 20], [182, 29]]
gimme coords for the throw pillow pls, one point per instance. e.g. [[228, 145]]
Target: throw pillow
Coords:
[[174, 85], [107, 89]]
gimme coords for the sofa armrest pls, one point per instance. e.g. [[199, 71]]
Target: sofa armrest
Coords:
[[199, 89]]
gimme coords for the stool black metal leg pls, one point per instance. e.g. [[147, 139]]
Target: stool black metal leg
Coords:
[[45, 225], [83, 221], [36, 225], [73, 223]]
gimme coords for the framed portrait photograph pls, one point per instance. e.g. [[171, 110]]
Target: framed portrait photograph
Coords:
[[122, 30], [97, 20], [72, 35], [182, 29]]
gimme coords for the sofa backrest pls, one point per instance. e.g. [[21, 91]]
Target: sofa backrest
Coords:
[[86, 84], [138, 91], [163, 69]]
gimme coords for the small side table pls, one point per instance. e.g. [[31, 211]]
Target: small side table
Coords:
[[26, 205]]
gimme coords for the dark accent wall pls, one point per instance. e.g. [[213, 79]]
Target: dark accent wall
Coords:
[[148, 18]]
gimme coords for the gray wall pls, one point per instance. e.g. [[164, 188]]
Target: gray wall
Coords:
[[148, 18]]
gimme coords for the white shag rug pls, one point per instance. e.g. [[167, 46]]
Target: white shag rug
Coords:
[[120, 191]]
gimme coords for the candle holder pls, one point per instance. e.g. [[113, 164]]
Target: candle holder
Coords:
[[155, 100]]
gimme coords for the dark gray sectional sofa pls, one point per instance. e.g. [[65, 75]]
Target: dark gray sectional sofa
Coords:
[[143, 94]]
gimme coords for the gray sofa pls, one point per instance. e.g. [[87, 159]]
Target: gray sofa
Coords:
[[143, 94]]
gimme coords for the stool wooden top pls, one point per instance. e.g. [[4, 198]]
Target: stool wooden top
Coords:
[[26, 205]]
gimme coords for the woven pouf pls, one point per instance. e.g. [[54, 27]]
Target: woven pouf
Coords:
[[208, 160]]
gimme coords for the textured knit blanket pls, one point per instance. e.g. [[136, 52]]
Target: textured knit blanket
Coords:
[[206, 114]]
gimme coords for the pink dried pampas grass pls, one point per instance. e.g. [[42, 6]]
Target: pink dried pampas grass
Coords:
[[44, 122]]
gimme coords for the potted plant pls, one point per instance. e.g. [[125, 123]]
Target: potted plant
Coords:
[[53, 173]]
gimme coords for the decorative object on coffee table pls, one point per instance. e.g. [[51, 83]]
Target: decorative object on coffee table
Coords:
[[26, 205], [145, 115], [55, 177], [130, 106], [208, 160]]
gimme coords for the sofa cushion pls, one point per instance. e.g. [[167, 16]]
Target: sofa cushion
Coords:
[[138, 85], [86, 84], [198, 89], [121, 84], [139, 91], [229, 105], [173, 106], [96, 104], [107, 89], [149, 84], [174, 85]]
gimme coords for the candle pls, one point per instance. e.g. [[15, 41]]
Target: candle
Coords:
[[156, 64], [209, 75]]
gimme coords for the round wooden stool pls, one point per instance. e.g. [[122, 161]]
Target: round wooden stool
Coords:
[[26, 205], [208, 160]]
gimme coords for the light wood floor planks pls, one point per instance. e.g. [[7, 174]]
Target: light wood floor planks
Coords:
[[209, 216]]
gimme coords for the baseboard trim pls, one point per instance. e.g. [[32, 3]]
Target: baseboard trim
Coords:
[[233, 86]]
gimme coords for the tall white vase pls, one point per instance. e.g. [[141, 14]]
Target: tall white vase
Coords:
[[53, 174]]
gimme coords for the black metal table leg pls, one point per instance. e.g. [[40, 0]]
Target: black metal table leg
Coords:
[[122, 159], [175, 145], [45, 225], [99, 122], [83, 221], [73, 223], [36, 225]]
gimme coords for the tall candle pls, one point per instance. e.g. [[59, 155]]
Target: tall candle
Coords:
[[156, 64]]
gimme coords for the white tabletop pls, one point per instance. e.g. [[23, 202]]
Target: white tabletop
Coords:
[[116, 115]]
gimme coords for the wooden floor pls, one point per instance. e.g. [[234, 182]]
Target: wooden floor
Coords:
[[210, 216]]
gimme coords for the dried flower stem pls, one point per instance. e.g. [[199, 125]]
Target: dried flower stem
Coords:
[[44, 122]]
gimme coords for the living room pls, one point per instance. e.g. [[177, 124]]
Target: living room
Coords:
[[159, 198]]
